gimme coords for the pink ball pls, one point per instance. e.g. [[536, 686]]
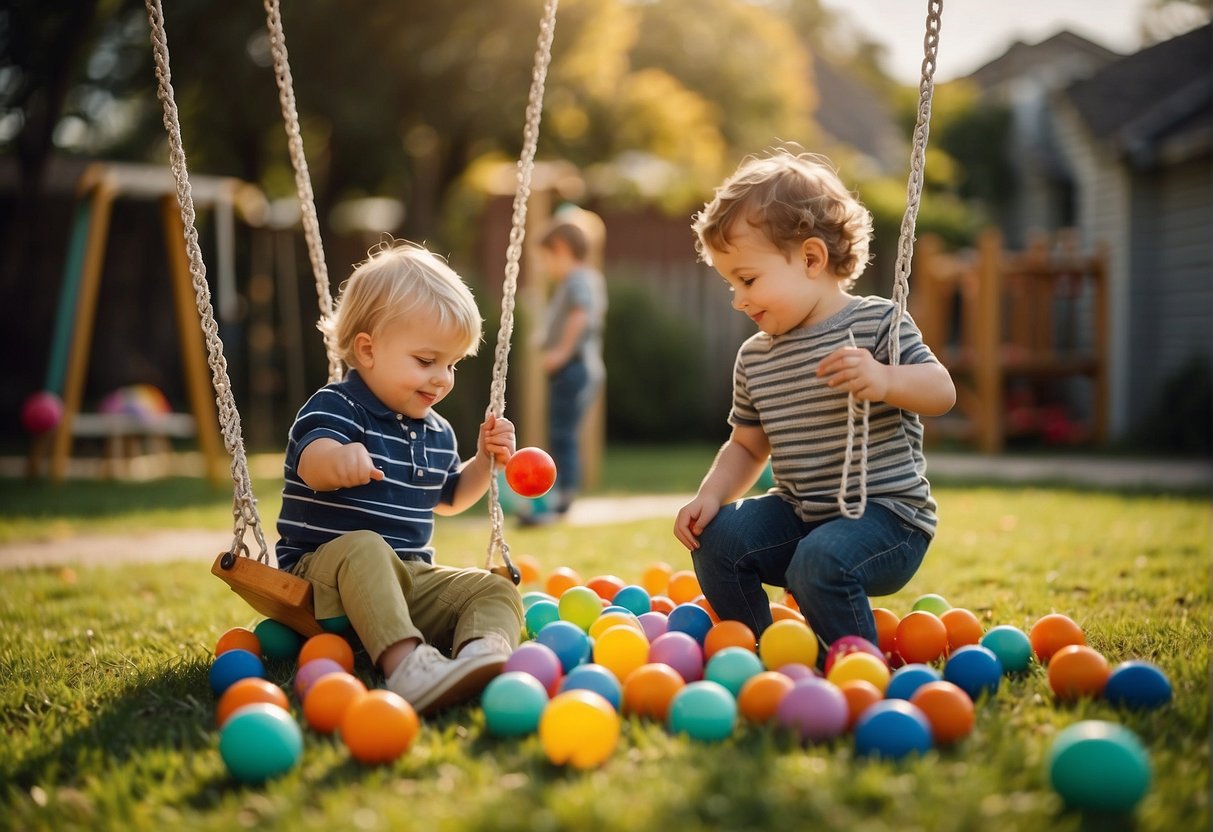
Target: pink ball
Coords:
[[846, 645], [309, 672], [797, 671], [815, 709], [681, 652], [655, 624], [41, 412], [539, 661]]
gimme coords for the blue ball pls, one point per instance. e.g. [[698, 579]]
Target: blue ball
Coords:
[[513, 704], [596, 678], [635, 599], [892, 728], [568, 641], [691, 619], [732, 667], [909, 678], [540, 614], [974, 669], [1137, 684], [1011, 645], [231, 666], [704, 711], [259, 741]]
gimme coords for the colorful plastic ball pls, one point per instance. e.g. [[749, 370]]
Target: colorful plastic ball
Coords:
[[1011, 645], [732, 667], [654, 624], [529, 599], [1052, 632], [530, 472], [909, 678], [760, 696], [621, 649], [788, 642], [797, 671], [1076, 671], [690, 619], [974, 669], [311, 672], [921, 637], [41, 412], [862, 666], [948, 709], [560, 579], [328, 646], [656, 578], [937, 605], [886, 629], [618, 618], [278, 641], [649, 689], [513, 704], [663, 604], [580, 605], [634, 598], [683, 587], [568, 641], [1100, 766], [579, 728], [528, 569], [540, 614], [893, 729], [238, 638], [846, 645], [231, 667], [728, 634], [680, 652], [248, 691], [860, 696], [702, 602], [537, 660], [815, 709], [782, 612], [329, 698], [379, 727], [703, 711], [605, 586], [964, 628], [597, 678], [259, 742], [335, 624], [1137, 684]]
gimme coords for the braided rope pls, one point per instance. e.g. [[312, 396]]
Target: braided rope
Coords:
[[526, 167], [244, 505], [905, 256], [303, 181]]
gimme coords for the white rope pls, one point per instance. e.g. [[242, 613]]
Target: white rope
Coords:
[[905, 256], [244, 505], [526, 167]]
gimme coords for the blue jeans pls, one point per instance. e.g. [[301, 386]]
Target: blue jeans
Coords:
[[830, 567], [570, 391]]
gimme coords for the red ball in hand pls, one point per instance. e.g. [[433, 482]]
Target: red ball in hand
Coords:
[[531, 472]]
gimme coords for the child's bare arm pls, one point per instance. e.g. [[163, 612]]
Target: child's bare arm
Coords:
[[737, 467], [926, 389], [326, 465]]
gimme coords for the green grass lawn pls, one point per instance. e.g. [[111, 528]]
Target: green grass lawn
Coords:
[[108, 718]]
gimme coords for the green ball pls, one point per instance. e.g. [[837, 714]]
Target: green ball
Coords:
[[336, 624], [1099, 765], [278, 641], [932, 603], [1011, 645], [259, 742], [580, 605], [539, 614]]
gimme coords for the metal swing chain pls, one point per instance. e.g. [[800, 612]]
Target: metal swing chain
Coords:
[[526, 167], [905, 257], [244, 505]]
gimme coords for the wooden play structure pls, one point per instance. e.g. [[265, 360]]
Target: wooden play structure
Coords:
[[1020, 333]]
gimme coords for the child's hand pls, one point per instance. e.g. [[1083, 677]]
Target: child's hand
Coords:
[[692, 519], [496, 439], [857, 371], [351, 465]]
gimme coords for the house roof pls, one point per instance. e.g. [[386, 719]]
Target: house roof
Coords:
[[1025, 58], [854, 114]]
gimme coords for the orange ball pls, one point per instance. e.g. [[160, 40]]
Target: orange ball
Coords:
[[606, 586], [886, 629], [728, 634], [528, 569], [1052, 632], [248, 691], [328, 646], [379, 727], [948, 709], [560, 579], [860, 695], [329, 698], [662, 603], [781, 612], [963, 628], [238, 638], [701, 601], [1076, 671], [656, 577], [684, 587], [759, 697], [920, 637], [789, 600], [649, 689]]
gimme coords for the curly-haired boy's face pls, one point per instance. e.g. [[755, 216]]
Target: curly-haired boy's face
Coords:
[[777, 291], [409, 368]]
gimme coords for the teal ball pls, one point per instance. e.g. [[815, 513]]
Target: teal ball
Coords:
[[704, 711], [278, 641], [259, 742], [1101, 766], [513, 704], [1011, 645]]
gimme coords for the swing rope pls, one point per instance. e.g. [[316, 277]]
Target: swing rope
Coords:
[[244, 505], [905, 256]]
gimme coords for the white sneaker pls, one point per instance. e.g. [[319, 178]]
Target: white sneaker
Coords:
[[490, 644], [429, 681]]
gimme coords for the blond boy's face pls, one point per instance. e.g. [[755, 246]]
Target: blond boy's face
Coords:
[[409, 366]]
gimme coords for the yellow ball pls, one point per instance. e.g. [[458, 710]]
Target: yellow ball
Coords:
[[621, 649], [863, 666], [580, 728], [613, 619], [787, 642]]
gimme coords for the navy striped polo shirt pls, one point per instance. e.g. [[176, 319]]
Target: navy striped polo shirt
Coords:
[[419, 459]]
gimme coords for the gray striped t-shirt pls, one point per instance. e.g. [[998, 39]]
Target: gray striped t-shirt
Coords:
[[775, 388]]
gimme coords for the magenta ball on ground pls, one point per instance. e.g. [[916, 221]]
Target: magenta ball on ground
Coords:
[[815, 709], [654, 624], [309, 672], [41, 412], [846, 645], [538, 660], [681, 652]]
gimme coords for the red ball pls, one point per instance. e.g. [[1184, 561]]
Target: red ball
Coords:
[[41, 412], [531, 472]]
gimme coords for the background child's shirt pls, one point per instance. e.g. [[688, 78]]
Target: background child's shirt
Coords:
[[584, 288]]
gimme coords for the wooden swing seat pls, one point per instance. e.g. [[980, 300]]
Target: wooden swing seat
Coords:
[[279, 595]]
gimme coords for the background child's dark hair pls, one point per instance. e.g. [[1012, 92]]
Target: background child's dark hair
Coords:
[[571, 235]]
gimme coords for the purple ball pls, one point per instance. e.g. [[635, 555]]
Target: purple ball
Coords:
[[539, 661], [797, 671], [309, 672], [681, 652], [654, 624], [815, 709]]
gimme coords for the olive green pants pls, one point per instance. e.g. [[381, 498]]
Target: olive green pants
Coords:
[[388, 600]]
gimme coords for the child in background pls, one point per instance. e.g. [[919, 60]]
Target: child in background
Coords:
[[790, 241], [368, 465]]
